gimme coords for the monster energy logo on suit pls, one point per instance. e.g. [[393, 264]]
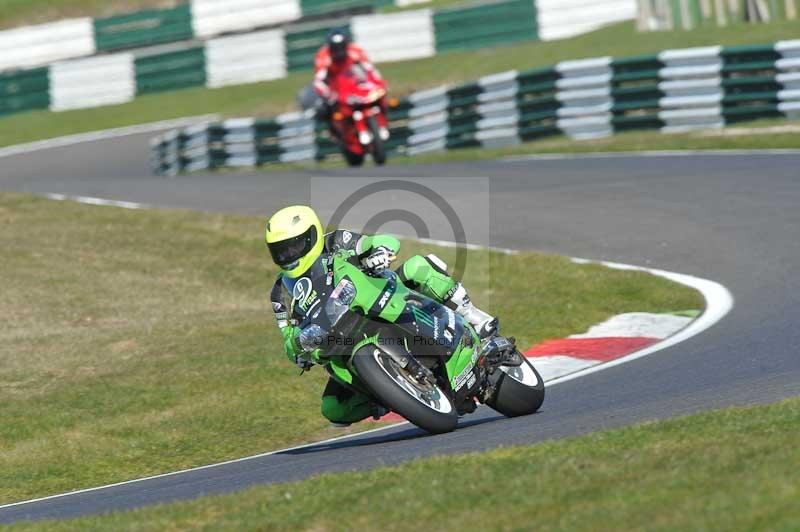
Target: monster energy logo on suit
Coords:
[[421, 316]]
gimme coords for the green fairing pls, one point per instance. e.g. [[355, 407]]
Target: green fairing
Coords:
[[463, 359], [341, 372], [368, 289]]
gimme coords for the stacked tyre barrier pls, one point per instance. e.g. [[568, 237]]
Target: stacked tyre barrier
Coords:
[[229, 42], [676, 90]]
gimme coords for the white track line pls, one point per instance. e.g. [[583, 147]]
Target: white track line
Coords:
[[92, 136], [200, 468], [719, 302], [98, 201], [641, 154]]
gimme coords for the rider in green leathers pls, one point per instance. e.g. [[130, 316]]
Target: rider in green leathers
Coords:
[[297, 243]]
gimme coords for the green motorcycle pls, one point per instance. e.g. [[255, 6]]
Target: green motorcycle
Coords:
[[409, 353]]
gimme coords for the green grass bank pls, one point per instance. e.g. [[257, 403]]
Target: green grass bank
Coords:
[[723, 470], [141, 342]]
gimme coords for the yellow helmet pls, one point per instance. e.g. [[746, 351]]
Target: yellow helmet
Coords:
[[295, 239]]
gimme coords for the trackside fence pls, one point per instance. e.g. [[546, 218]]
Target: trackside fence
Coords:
[[676, 90], [215, 43]]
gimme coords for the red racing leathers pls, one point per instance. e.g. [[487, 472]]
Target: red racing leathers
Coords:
[[327, 71]]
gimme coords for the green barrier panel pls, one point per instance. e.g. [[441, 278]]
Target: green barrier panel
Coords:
[[533, 132], [636, 106], [542, 103], [536, 82], [24, 90], [144, 28], [331, 7], [173, 70], [750, 84], [24, 81], [750, 112], [638, 121], [634, 94], [749, 98], [302, 45], [485, 25], [635, 69]]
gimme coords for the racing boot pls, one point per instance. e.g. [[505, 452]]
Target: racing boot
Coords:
[[379, 411], [485, 324]]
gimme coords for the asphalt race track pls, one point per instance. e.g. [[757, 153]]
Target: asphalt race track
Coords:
[[733, 219]]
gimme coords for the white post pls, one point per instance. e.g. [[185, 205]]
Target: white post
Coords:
[[791, 10], [719, 6], [705, 7], [686, 15]]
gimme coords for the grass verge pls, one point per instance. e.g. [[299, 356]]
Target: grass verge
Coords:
[[141, 342], [725, 470], [430, 4], [268, 99], [625, 142]]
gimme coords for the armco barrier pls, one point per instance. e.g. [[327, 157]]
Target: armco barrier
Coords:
[[314, 8], [389, 37], [24, 91], [397, 36], [559, 19], [143, 28], [39, 45], [83, 83], [174, 70], [303, 42], [485, 25], [271, 54], [246, 58], [214, 17], [676, 90]]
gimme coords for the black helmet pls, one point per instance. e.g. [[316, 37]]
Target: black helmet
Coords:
[[337, 40]]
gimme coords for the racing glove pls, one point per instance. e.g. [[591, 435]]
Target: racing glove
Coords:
[[304, 360], [380, 259]]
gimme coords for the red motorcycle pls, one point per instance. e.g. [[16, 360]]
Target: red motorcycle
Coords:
[[360, 121]]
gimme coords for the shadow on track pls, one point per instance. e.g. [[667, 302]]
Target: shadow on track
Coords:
[[407, 434]]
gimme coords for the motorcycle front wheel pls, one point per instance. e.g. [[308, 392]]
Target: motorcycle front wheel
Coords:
[[378, 146], [426, 406]]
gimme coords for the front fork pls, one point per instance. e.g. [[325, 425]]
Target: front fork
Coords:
[[360, 118]]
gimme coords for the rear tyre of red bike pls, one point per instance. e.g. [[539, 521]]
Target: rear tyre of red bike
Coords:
[[354, 160]]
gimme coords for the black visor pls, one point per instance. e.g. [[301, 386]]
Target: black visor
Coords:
[[338, 51], [287, 253]]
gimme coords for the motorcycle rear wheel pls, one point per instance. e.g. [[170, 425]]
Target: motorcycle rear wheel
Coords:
[[354, 160], [426, 406], [519, 391]]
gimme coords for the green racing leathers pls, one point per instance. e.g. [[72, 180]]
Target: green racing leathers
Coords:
[[426, 275]]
